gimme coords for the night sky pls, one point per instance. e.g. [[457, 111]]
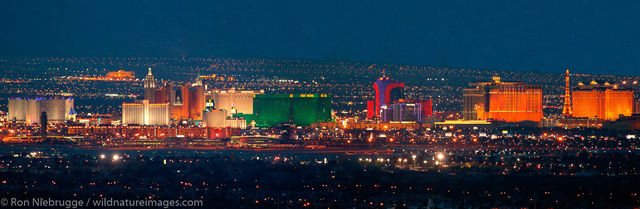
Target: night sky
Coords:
[[545, 36]]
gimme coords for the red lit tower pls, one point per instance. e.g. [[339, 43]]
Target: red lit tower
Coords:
[[387, 91]]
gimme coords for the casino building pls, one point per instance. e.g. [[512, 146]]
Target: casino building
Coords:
[[602, 101], [298, 109], [28, 111], [503, 101], [121, 75], [390, 104], [406, 111], [221, 118], [186, 102], [145, 113], [235, 101], [387, 91]]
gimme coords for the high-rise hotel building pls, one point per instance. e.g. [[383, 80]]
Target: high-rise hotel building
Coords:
[[149, 84], [503, 101], [186, 102], [603, 101], [387, 91], [145, 113], [28, 111], [235, 101], [148, 111]]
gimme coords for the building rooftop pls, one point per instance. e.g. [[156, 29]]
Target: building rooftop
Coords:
[[594, 85]]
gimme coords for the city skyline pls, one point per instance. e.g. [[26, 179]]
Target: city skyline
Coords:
[[309, 104]]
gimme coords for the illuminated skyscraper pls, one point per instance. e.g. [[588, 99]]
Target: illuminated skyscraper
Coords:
[[241, 101], [603, 101], [371, 109], [186, 101], [406, 112], [179, 102], [298, 109], [197, 103], [28, 110], [145, 113], [427, 108], [474, 100], [149, 86], [510, 102], [386, 92], [215, 118], [567, 108]]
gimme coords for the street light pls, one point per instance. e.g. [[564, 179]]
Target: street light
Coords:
[[116, 157], [414, 161]]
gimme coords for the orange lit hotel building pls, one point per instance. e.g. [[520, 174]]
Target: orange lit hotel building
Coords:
[[503, 101], [185, 101], [602, 101], [121, 74]]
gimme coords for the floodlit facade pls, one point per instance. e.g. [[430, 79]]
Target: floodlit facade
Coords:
[[298, 109], [17, 109], [387, 91], [509, 102], [221, 119], [239, 101], [603, 101], [145, 113], [215, 118], [186, 102], [121, 74], [29, 110], [406, 112], [149, 83], [567, 109]]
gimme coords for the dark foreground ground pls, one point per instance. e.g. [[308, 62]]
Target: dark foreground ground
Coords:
[[249, 179]]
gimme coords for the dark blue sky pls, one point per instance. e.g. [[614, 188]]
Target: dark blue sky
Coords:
[[588, 36]]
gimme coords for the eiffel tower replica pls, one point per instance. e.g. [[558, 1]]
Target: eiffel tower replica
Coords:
[[567, 111]]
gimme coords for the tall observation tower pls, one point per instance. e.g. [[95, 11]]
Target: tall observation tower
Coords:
[[566, 109]]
